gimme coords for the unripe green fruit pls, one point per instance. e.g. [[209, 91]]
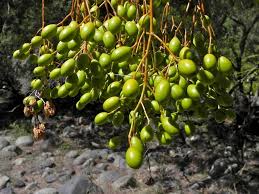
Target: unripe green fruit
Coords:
[[177, 92], [36, 41], [187, 67], [72, 93], [39, 71], [25, 47], [68, 67], [62, 91], [83, 61], [101, 118], [87, 31], [209, 61], [186, 103], [62, 47], [114, 24], [205, 77], [114, 142], [49, 31], [186, 53], [114, 3], [45, 59], [16, 54], [111, 103], [98, 35], [175, 45], [67, 34], [188, 128], [162, 90], [121, 11], [136, 143], [164, 138], [114, 88], [74, 44], [109, 40], [130, 88], [134, 158], [105, 60], [121, 54], [71, 81], [86, 98], [146, 134], [81, 78], [155, 106], [193, 92], [118, 118], [36, 84], [80, 106], [224, 65], [169, 126], [131, 28], [55, 73], [131, 12]]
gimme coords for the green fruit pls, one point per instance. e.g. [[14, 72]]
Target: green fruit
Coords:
[[16, 54], [67, 34], [175, 45], [114, 88], [114, 3], [98, 35], [186, 53], [193, 92], [134, 158], [224, 65], [71, 81], [209, 61], [45, 59], [132, 11], [49, 31], [72, 93], [182, 82], [118, 118], [121, 11], [83, 61], [54, 92], [114, 24], [186, 103], [172, 71], [155, 106], [86, 87], [55, 73], [71, 54], [144, 21], [188, 128], [36, 84], [101, 118], [164, 138], [131, 28], [81, 78], [86, 98], [68, 67], [105, 60], [36, 41], [59, 29], [44, 49], [177, 92], [130, 88], [136, 143], [25, 47], [80, 106], [146, 134], [162, 90], [205, 77], [39, 71], [198, 40], [111, 103], [87, 31], [114, 142], [62, 47], [62, 91], [187, 67], [74, 44], [109, 40], [73, 24], [121, 54], [169, 126]]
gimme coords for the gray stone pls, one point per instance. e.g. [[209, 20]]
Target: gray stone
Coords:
[[117, 160], [46, 191], [87, 154], [79, 185], [50, 178], [3, 181], [108, 177], [18, 161], [3, 142], [7, 190], [6, 155], [72, 154], [24, 141], [18, 183], [31, 186], [49, 162], [13, 148], [124, 182]]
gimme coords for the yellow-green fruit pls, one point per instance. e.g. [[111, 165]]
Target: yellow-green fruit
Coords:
[[74, 91], [49, 31], [121, 11], [71, 81], [118, 118], [68, 67], [67, 34], [131, 12], [169, 126], [16, 54], [81, 77], [177, 92], [186, 103], [86, 98], [137, 143], [175, 45], [130, 88], [105, 60], [39, 105], [98, 35], [134, 158], [193, 92], [27, 100], [114, 24], [131, 28], [186, 53], [80, 106], [62, 91], [114, 3], [111, 103], [101, 118], [61, 57], [62, 47], [209, 61], [36, 84], [162, 90], [114, 88], [36, 41], [146, 134], [44, 49], [109, 40], [25, 47], [224, 65], [155, 106], [164, 138], [55, 73], [187, 67], [122, 53], [54, 92], [114, 142], [205, 77], [188, 128], [87, 31], [39, 71], [74, 44], [45, 59]]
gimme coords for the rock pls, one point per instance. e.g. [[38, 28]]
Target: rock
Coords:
[[218, 168], [49, 162], [7, 190], [124, 182], [3, 142], [24, 141], [72, 154], [108, 177], [117, 160], [80, 185], [3, 181], [7, 155], [31, 186], [13, 148], [18, 161], [46, 191], [50, 178], [18, 183], [87, 154]]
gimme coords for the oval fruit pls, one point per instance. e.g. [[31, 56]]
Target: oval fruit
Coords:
[[101, 118], [87, 31], [130, 88], [49, 31], [186, 103], [62, 47], [186, 53], [68, 67], [224, 65], [209, 61], [122, 53], [136, 143], [134, 158], [155, 105], [131, 28], [121, 11], [162, 90], [164, 138], [111, 103], [188, 128], [67, 34], [55, 73], [39, 71], [187, 67], [205, 77], [193, 92], [177, 92], [175, 45], [118, 118], [72, 93], [71, 81], [169, 126], [131, 12], [98, 35], [62, 91], [114, 88], [85, 98], [109, 39], [146, 134], [105, 60], [114, 24], [45, 59], [114, 142], [81, 77], [36, 84], [36, 41]]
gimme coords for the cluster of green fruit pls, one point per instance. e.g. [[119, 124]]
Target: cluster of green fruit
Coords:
[[107, 58]]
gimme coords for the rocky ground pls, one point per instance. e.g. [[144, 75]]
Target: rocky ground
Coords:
[[73, 159]]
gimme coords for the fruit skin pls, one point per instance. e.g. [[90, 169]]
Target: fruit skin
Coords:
[[45, 59], [162, 90], [63, 91], [134, 158], [62, 47], [146, 134], [186, 53], [114, 88], [188, 128], [67, 34], [85, 98], [105, 60], [81, 77], [131, 12], [49, 31], [164, 138], [87, 31], [101, 118], [155, 105], [186, 103], [130, 88], [137, 143], [205, 77], [114, 142], [170, 127], [109, 40], [39, 71], [36, 84], [187, 67], [193, 92], [68, 67], [209, 61], [224, 65], [131, 28], [114, 24], [71, 81], [121, 54], [111, 103], [121, 11], [98, 35], [36, 41], [177, 92], [118, 118], [175, 45]]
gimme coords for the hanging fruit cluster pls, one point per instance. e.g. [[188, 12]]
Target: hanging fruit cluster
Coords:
[[140, 59]]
